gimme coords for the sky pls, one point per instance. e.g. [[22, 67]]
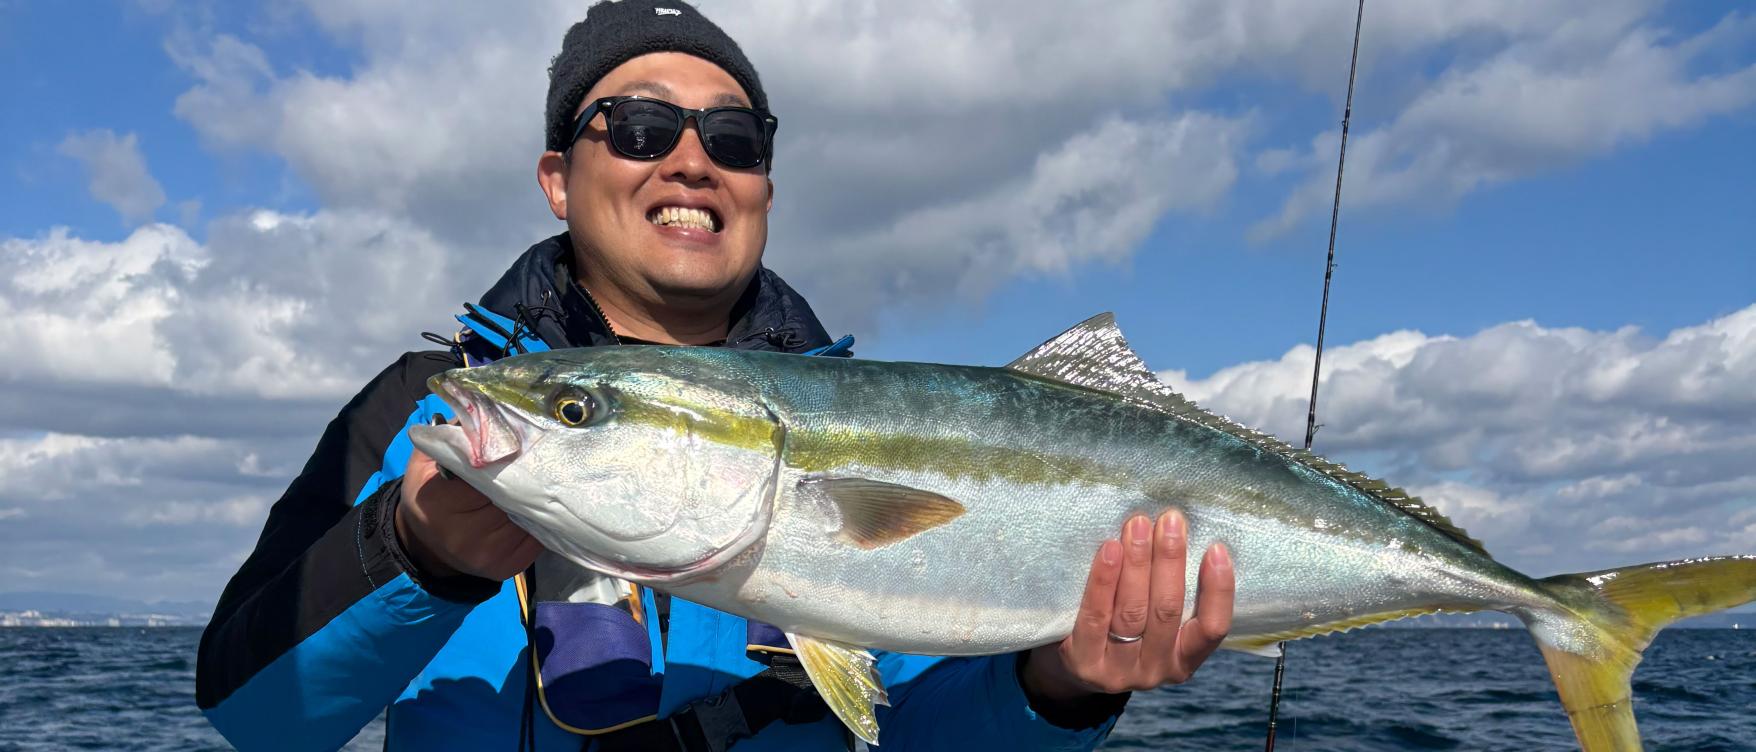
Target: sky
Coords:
[[221, 219]]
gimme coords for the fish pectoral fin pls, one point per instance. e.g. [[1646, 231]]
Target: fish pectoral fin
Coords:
[[846, 677], [875, 513]]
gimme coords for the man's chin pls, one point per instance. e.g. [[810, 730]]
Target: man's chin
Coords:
[[697, 286]]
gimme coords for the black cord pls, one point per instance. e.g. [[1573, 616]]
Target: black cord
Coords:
[[784, 338], [439, 339], [525, 318], [488, 323]]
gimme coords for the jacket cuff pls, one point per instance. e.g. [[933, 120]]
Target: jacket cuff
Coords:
[[1091, 713], [378, 542]]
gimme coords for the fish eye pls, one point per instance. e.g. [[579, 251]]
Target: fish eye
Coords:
[[575, 408]]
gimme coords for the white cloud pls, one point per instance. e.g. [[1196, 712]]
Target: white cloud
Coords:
[[117, 171], [171, 517], [150, 334], [1607, 440], [1537, 105], [912, 126], [1093, 198]]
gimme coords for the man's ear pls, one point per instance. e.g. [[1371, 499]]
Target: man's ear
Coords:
[[770, 208], [552, 177]]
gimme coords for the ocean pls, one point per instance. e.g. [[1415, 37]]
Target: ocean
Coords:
[[1369, 690]]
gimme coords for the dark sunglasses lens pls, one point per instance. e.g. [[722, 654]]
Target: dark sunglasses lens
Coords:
[[734, 138], [643, 129]]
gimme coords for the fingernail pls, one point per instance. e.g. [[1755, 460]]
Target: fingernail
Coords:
[[1108, 552], [1218, 556], [1139, 540], [1172, 525]]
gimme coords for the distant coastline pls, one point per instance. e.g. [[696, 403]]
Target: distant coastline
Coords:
[[51, 609], [29, 618]]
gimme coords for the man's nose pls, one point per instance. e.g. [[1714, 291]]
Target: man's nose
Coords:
[[688, 162]]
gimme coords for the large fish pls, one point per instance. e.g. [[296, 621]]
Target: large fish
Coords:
[[954, 510]]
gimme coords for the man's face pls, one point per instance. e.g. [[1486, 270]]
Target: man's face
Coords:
[[615, 206]]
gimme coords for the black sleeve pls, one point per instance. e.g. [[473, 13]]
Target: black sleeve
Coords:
[[1089, 712], [318, 552]]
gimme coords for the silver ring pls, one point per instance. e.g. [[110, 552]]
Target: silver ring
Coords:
[[1125, 640]]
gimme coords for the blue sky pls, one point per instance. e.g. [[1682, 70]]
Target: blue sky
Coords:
[[1657, 236], [1586, 167]]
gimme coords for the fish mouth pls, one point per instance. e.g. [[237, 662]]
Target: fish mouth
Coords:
[[492, 434]]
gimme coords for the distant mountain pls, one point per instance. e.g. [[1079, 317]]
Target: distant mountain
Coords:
[[79, 603]]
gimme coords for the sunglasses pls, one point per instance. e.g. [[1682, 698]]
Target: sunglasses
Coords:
[[646, 128]]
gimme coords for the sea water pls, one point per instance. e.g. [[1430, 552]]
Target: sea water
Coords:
[[1377, 689]]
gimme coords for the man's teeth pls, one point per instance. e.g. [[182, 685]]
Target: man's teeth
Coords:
[[678, 216]]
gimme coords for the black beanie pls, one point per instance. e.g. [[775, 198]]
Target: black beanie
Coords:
[[616, 31]]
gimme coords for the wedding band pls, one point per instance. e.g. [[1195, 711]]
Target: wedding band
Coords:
[[1118, 638]]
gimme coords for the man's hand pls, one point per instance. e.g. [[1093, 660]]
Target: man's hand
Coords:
[[1135, 590], [449, 528]]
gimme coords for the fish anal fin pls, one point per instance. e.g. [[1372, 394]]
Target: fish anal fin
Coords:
[[1264, 644], [846, 677], [875, 513]]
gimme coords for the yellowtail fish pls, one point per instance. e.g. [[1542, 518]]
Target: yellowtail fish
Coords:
[[954, 510]]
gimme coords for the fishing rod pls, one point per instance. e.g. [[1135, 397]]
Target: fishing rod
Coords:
[[1347, 114]]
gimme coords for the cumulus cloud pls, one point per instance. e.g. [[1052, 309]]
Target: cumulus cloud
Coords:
[[169, 516], [906, 126], [158, 334], [1095, 197], [1603, 440], [117, 172], [1537, 105]]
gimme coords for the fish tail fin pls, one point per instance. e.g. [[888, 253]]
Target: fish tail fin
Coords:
[[1604, 620]]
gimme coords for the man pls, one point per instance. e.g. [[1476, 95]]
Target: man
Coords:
[[380, 582]]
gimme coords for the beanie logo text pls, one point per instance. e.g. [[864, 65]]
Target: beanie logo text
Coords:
[[667, 12]]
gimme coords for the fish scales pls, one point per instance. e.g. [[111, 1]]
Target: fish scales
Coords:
[[1008, 446], [955, 510]]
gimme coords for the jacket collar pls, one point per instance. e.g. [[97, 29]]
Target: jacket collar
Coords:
[[769, 316]]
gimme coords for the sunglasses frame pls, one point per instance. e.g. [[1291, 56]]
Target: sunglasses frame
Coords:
[[606, 105]]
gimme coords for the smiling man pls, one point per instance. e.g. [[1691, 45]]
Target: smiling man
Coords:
[[381, 584]]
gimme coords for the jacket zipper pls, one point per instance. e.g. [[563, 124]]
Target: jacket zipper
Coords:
[[608, 327]]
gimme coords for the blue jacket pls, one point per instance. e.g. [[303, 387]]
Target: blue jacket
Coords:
[[327, 623]]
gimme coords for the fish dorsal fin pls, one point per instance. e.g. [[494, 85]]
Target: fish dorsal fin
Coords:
[[1094, 355]]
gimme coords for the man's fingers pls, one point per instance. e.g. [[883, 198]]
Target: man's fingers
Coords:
[[1090, 628], [526, 553], [512, 555], [453, 494], [420, 465], [1213, 610], [1169, 547], [1134, 586]]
